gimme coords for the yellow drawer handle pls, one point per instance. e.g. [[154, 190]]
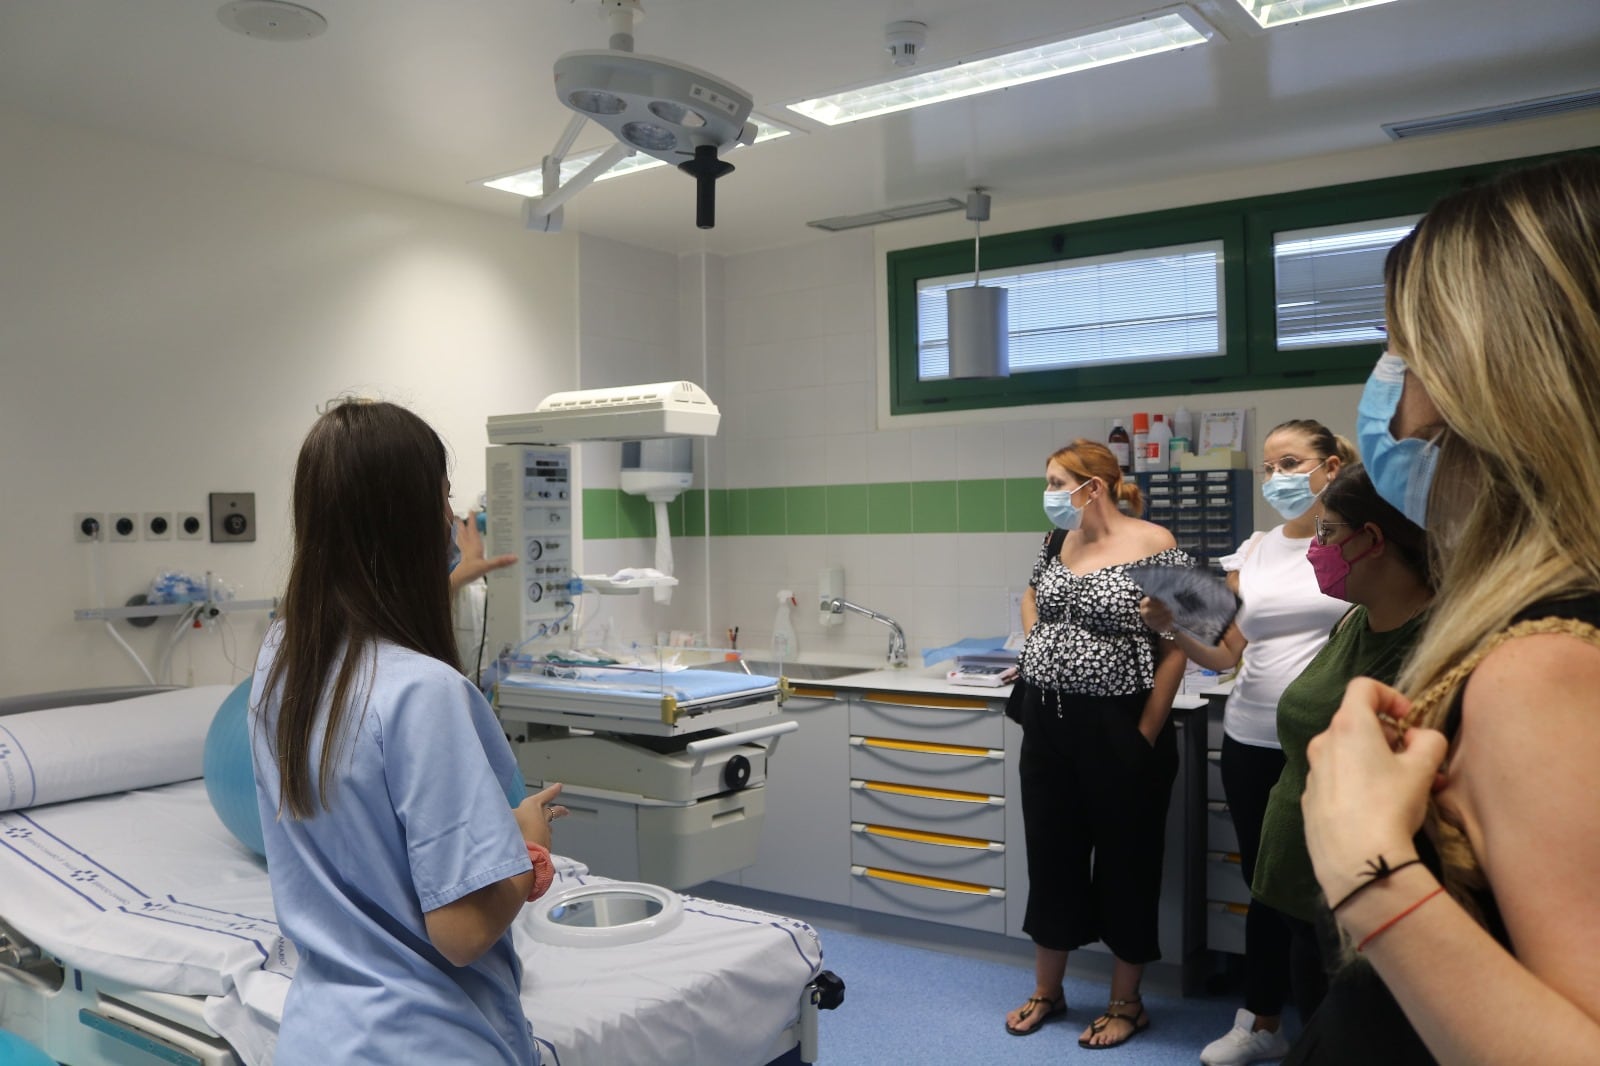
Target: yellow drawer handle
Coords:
[[929, 793], [927, 749], [1225, 856], [941, 703], [1217, 905], [938, 883], [818, 693], [918, 836]]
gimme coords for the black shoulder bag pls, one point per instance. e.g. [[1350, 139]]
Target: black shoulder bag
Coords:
[[1023, 691]]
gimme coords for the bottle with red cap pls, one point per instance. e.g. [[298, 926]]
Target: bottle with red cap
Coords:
[[1141, 442]]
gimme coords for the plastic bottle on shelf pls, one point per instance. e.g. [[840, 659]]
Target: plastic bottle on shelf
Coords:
[[1121, 446], [784, 645], [1156, 445], [1183, 424], [1141, 441]]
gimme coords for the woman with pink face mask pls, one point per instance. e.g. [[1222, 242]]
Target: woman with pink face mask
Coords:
[[1370, 555]]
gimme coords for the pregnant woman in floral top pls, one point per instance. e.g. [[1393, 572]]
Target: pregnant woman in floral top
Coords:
[[1098, 752]]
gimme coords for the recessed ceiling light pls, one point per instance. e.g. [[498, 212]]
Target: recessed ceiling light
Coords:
[[1162, 31], [272, 20], [1279, 12], [888, 214], [530, 182]]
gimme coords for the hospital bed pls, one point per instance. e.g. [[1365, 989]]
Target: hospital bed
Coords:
[[135, 929]]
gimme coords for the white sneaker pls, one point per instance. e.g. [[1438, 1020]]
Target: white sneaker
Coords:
[[1241, 1046]]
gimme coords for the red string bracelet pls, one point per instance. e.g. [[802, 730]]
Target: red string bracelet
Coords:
[[1370, 937]]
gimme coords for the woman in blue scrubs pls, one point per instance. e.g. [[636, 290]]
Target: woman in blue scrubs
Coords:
[[397, 864]]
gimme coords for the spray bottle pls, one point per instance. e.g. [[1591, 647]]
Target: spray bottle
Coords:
[[784, 645]]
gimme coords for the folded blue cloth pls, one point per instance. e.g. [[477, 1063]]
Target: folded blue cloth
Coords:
[[970, 646]]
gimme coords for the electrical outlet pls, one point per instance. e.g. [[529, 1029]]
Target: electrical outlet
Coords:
[[157, 526], [123, 527], [88, 527], [190, 526], [233, 516]]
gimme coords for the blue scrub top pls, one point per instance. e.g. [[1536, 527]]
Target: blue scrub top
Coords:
[[417, 818]]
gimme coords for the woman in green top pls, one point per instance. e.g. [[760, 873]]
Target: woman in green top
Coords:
[[1369, 554]]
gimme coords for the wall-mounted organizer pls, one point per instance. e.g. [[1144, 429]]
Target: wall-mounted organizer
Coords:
[[1210, 512]]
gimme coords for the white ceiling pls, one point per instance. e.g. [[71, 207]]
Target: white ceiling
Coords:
[[424, 96]]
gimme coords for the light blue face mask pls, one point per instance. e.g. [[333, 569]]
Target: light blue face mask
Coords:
[[1062, 512], [1290, 494], [1401, 470]]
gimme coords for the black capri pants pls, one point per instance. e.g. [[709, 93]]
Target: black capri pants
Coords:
[[1094, 813]]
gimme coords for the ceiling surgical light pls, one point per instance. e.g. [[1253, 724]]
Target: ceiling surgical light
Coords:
[[669, 110]]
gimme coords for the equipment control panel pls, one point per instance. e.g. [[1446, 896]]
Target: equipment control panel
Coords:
[[530, 515]]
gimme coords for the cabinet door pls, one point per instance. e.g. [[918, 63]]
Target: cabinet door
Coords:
[[805, 843]]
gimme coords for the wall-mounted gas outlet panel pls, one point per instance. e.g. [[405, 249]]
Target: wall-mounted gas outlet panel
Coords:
[[233, 516], [122, 527], [157, 526], [88, 527], [190, 526]]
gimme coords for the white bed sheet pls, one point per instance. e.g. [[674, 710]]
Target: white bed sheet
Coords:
[[148, 888]]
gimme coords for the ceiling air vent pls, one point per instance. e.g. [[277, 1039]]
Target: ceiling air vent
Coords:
[[1544, 107], [888, 214]]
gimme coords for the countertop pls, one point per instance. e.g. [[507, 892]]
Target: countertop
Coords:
[[932, 681]]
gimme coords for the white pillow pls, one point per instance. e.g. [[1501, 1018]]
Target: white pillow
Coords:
[[70, 752]]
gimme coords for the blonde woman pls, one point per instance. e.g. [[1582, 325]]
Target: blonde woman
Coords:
[[1099, 752], [1480, 938]]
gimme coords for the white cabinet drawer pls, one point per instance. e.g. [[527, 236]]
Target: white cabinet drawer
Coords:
[[928, 899], [934, 719], [939, 855], [1224, 879], [915, 762], [966, 814]]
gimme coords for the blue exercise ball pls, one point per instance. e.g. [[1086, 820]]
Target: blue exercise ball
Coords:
[[15, 1051], [230, 777]]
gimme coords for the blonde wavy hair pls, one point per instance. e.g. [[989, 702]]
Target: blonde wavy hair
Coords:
[[1493, 301]]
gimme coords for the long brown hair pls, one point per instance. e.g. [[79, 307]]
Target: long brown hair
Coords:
[[371, 550]]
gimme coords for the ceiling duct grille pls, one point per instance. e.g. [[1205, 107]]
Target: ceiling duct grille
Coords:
[[1544, 107], [888, 214]]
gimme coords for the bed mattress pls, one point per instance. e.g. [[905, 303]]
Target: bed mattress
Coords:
[[148, 888]]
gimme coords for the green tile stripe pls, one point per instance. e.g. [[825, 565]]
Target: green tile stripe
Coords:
[[978, 505]]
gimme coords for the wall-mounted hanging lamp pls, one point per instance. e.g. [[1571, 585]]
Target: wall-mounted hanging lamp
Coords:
[[979, 324]]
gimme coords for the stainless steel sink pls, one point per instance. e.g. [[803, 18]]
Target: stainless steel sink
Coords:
[[795, 671]]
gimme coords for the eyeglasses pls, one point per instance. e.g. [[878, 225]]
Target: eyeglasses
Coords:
[[1286, 465], [1325, 528]]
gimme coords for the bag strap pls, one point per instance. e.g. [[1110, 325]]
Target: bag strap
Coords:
[[1057, 538]]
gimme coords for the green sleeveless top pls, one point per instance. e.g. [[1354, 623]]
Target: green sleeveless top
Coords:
[[1284, 879]]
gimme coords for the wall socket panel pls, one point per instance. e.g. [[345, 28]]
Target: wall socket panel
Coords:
[[122, 526], [191, 525], [88, 527], [157, 526], [233, 517]]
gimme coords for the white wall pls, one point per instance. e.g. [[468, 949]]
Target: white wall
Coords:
[[168, 325]]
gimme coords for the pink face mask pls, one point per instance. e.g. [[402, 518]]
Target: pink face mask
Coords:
[[1332, 568]]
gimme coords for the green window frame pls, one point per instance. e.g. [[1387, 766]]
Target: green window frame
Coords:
[[1252, 359]]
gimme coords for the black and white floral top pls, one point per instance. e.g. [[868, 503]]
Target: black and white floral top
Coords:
[[1089, 638]]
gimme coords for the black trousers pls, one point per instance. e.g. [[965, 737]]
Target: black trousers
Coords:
[[1094, 812]]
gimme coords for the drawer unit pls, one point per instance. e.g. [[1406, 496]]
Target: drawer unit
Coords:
[[929, 718], [1224, 878], [1214, 777], [943, 766], [1225, 927], [929, 899], [1208, 511], [967, 859], [967, 814], [1220, 834]]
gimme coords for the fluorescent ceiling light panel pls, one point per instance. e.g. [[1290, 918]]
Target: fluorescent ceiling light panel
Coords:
[[1279, 12], [1161, 32], [531, 182]]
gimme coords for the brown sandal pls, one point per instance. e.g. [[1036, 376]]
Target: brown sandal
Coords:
[[1052, 1007], [1138, 1020]]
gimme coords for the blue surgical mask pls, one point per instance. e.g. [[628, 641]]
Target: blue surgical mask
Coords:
[[1062, 512], [1290, 494], [455, 549], [1401, 470]]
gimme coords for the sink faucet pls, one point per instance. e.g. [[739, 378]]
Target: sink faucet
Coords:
[[897, 636]]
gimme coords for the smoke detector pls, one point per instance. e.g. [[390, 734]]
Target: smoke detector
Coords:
[[272, 20], [904, 40]]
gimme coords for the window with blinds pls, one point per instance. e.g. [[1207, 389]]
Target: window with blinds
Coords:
[[1329, 282], [1130, 307]]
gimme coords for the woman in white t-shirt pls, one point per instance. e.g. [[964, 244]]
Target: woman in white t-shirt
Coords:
[[1284, 619]]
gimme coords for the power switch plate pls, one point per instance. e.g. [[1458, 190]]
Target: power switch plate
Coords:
[[190, 526], [123, 527], [233, 516]]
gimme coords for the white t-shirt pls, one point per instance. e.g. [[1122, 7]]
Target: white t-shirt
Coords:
[[1286, 618]]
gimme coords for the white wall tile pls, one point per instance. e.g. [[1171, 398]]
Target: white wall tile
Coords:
[[980, 452], [936, 558], [984, 562], [889, 456], [843, 408], [847, 458], [984, 611], [1028, 445], [844, 356], [936, 620], [805, 411], [933, 453], [806, 461]]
